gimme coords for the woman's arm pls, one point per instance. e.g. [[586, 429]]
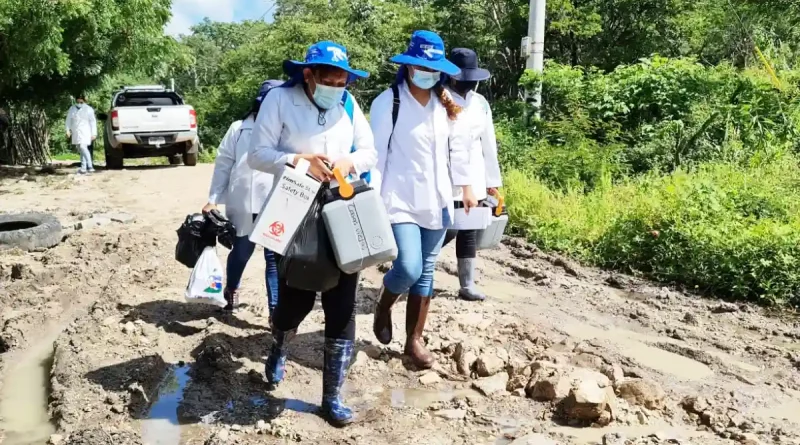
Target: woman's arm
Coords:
[[489, 143], [366, 156], [460, 141], [223, 165], [381, 125], [264, 154]]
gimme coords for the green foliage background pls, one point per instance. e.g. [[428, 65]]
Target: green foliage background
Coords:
[[666, 145]]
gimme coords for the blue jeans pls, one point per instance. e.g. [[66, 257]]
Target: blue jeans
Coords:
[[242, 250], [417, 251]]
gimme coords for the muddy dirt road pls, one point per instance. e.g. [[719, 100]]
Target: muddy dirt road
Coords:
[[96, 337]]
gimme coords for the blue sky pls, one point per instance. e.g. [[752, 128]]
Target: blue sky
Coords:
[[186, 13]]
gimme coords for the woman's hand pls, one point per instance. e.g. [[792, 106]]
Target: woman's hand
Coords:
[[208, 208], [470, 201], [491, 191], [345, 165], [319, 166]]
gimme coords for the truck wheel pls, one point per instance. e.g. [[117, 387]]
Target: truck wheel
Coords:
[[114, 158], [190, 159], [29, 231], [175, 160]]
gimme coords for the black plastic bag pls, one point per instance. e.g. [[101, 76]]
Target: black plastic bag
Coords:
[[192, 239], [199, 231], [220, 227], [309, 263]]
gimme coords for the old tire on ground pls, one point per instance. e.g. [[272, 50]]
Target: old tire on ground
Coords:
[[29, 231], [190, 159], [114, 158]]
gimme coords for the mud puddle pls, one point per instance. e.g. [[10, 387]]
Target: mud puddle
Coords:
[[587, 436], [422, 399], [629, 344], [25, 396]]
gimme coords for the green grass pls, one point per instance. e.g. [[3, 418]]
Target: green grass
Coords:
[[729, 231]]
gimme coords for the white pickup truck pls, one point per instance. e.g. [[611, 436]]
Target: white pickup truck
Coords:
[[150, 121]]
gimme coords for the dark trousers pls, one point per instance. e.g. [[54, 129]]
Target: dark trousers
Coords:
[[466, 242], [339, 305]]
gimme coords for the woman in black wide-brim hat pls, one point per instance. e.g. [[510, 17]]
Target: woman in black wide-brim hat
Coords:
[[484, 167]]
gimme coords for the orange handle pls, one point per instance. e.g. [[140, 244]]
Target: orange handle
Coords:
[[501, 203], [345, 188]]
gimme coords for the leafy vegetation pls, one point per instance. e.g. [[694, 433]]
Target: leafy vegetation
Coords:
[[667, 143]]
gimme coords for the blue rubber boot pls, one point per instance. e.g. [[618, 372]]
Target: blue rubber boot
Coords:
[[276, 362], [338, 354]]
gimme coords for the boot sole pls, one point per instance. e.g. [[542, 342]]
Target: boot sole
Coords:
[[340, 423]]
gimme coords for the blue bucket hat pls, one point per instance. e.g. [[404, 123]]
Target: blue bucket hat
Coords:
[[427, 50], [324, 53]]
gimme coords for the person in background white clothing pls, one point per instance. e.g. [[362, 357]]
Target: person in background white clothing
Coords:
[[81, 131], [484, 167], [243, 191], [421, 158]]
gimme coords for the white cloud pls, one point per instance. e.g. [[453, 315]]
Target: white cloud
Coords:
[[186, 13]]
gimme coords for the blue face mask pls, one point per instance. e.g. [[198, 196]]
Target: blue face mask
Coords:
[[424, 79], [327, 97]]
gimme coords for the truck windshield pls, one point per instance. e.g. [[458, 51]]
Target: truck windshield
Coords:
[[147, 100]]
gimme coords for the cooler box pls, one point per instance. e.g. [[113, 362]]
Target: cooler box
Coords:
[[490, 237], [358, 228]]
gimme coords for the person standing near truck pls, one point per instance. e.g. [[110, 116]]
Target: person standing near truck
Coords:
[[484, 167], [306, 118], [243, 191], [81, 129]]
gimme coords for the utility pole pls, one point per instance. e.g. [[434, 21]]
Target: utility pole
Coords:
[[533, 45]]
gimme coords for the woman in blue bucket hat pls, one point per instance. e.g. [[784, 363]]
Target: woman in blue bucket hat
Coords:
[[484, 167], [306, 119], [422, 157]]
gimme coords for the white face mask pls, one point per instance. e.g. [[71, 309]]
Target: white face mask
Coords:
[[424, 79], [79, 105], [326, 97]]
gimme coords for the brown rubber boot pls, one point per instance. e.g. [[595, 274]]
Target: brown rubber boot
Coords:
[[416, 315], [382, 323]]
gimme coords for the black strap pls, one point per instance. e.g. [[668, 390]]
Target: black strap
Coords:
[[395, 114], [395, 105]]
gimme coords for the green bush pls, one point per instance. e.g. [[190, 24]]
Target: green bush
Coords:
[[721, 229]]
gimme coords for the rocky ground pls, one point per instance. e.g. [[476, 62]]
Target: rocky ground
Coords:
[[560, 354]]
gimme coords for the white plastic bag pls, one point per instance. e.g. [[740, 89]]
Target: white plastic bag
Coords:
[[205, 283]]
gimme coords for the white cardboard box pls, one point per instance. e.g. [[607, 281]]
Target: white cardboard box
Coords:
[[285, 209], [478, 218]]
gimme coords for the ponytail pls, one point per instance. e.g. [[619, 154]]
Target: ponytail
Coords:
[[453, 109]]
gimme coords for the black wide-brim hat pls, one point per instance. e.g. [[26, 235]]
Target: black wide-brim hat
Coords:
[[467, 60]]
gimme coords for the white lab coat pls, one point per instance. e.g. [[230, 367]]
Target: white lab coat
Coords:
[[429, 157], [484, 166], [234, 184], [81, 124], [289, 123]]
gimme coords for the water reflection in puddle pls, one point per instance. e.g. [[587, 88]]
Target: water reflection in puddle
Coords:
[[285, 404], [161, 426]]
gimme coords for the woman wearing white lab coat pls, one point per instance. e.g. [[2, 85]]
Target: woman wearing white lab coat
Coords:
[[243, 191], [81, 129], [484, 167], [421, 158]]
